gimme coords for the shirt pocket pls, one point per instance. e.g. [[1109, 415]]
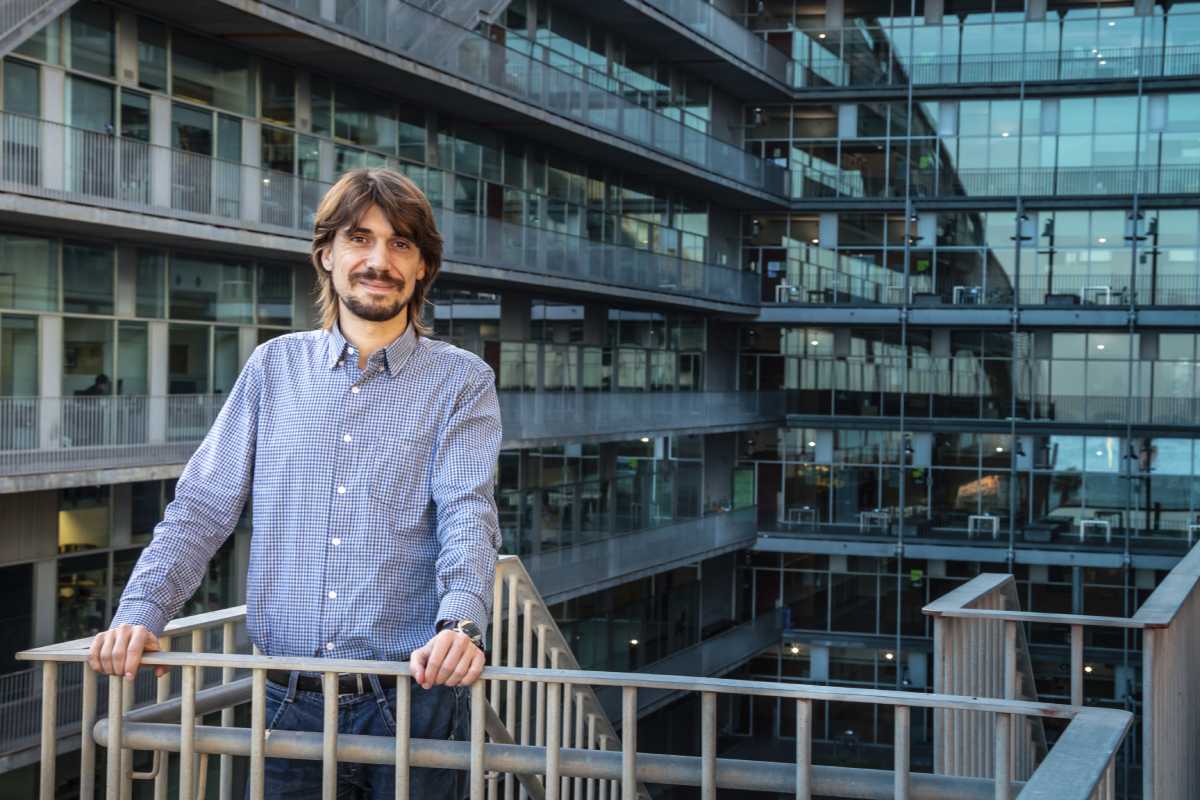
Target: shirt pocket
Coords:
[[400, 479]]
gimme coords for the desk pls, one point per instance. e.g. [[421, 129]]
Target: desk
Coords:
[[1097, 291], [801, 516], [967, 295], [1084, 524], [873, 519], [981, 522]]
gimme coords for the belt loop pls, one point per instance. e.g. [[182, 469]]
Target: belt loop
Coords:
[[358, 681], [293, 679], [377, 688]]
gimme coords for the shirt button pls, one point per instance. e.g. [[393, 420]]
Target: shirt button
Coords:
[[333, 595], [336, 541], [341, 490], [329, 645], [353, 390], [346, 438]]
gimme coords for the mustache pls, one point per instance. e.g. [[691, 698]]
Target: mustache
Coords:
[[372, 274]]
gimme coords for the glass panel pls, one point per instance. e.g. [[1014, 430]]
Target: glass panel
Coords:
[[87, 278], [22, 93], [133, 354], [146, 509], [28, 273], [152, 54], [87, 358], [202, 289], [135, 116], [16, 615], [206, 71], [226, 363], [187, 359], [82, 587], [279, 93], [90, 105], [191, 129], [151, 283], [278, 150], [229, 139], [322, 105], [18, 357], [90, 33], [274, 294]]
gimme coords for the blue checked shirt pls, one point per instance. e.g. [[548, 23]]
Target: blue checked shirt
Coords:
[[373, 512]]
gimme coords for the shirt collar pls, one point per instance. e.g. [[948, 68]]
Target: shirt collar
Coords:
[[395, 354]]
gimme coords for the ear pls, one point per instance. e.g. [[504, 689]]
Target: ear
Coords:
[[327, 259], [421, 271]]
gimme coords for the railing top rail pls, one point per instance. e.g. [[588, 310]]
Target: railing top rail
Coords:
[[1079, 758], [1037, 617], [969, 592], [589, 678], [1165, 602]]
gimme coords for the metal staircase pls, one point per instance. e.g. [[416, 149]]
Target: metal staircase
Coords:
[[20, 19]]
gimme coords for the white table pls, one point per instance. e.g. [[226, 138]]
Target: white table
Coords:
[[802, 515], [982, 522], [1104, 524], [1098, 291], [873, 519], [967, 295]]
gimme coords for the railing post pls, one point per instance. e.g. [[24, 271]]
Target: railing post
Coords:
[[163, 693], [226, 780], [258, 734], [578, 741], [510, 695], [1003, 756], [87, 744], [708, 746], [1150, 711], [478, 709], [1076, 665], [628, 743], [329, 741], [404, 735], [900, 769], [187, 735], [112, 784], [553, 730], [803, 750], [49, 728]]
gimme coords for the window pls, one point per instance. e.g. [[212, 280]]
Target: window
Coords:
[[87, 368], [87, 278], [135, 116], [274, 294], [365, 120], [206, 71], [22, 93], [207, 290], [151, 282], [90, 105], [90, 37], [322, 105], [133, 358], [187, 361], [152, 54], [278, 94], [226, 361], [29, 273], [82, 590], [19, 368]]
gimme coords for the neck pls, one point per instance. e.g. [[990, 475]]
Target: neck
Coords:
[[369, 336]]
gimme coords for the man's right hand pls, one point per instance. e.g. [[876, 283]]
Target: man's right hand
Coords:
[[118, 651]]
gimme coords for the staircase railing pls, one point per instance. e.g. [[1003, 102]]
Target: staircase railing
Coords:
[[1169, 622], [20, 19]]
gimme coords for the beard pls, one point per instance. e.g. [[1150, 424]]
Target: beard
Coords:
[[380, 310]]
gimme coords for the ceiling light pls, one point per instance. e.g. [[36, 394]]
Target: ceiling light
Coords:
[[1103, 62], [1102, 240], [1095, 51], [1004, 134], [1099, 452], [1112, 24], [812, 444], [999, 449], [1088, 669], [890, 656], [814, 343], [816, 241], [820, 36], [633, 642], [645, 440], [1099, 347], [795, 649]]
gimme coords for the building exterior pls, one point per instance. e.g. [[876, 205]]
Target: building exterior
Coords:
[[801, 314]]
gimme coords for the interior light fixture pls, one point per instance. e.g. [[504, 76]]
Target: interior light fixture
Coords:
[[890, 656], [1004, 134], [999, 449], [795, 649], [820, 36], [1088, 668], [1099, 347], [633, 642], [1102, 240], [812, 444], [1112, 24], [814, 343], [816, 241], [1103, 62], [645, 440]]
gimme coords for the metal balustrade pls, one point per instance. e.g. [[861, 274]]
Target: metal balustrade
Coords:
[[728, 35], [548, 735], [48, 159], [56, 434], [413, 32], [20, 19], [968, 620]]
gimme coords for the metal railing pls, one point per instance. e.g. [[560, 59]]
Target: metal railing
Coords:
[[729, 35], [48, 159], [548, 737], [415, 33], [1169, 622], [20, 19]]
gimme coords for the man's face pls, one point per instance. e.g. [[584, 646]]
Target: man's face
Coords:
[[374, 269]]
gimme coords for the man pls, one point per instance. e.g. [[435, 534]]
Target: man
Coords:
[[369, 450], [100, 386]]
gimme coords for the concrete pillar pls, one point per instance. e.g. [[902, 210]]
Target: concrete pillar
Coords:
[[247, 341], [608, 471], [252, 175], [127, 47], [53, 137], [515, 313], [126, 299], [120, 534], [326, 161], [303, 101], [45, 600], [160, 151], [50, 346], [158, 381]]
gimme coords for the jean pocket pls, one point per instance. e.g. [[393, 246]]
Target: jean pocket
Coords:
[[276, 717], [389, 719]]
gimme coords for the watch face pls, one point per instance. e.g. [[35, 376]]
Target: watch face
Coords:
[[470, 629]]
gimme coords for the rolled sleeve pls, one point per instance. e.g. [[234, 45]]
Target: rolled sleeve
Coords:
[[462, 484]]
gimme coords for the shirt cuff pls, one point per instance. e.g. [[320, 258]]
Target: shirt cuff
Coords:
[[463, 605], [141, 612]]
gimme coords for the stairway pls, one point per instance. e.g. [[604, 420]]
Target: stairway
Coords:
[[20, 19]]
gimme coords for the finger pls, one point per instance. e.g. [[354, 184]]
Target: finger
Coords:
[[416, 663], [450, 664], [116, 662], [133, 651], [477, 664], [438, 649], [465, 662], [107, 656], [94, 651]]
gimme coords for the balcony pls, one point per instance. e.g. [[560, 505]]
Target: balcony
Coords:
[[549, 736], [472, 65], [48, 160], [44, 436]]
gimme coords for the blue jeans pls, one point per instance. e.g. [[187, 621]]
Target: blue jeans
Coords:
[[439, 713]]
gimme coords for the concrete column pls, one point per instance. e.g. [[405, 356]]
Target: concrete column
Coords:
[[50, 346], [53, 137], [252, 176], [432, 156], [515, 312], [127, 47], [303, 101], [121, 495], [126, 299], [608, 471], [326, 161], [45, 600], [247, 341], [160, 151], [158, 382]]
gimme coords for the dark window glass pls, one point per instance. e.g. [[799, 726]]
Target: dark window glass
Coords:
[[152, 55], [87, 278], [90, 28], [135, 116], [278, 93], [22, 93]]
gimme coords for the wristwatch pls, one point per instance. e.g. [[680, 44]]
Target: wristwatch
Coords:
[[466, 627]]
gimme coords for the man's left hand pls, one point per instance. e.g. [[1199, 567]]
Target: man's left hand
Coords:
[[448, 659]]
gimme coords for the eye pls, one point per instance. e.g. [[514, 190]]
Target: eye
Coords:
[[401, 244], [357, 238]]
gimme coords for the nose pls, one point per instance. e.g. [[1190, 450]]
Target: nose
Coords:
[[377, 258]]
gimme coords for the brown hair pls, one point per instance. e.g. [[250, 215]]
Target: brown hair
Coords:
[[408, 211]]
